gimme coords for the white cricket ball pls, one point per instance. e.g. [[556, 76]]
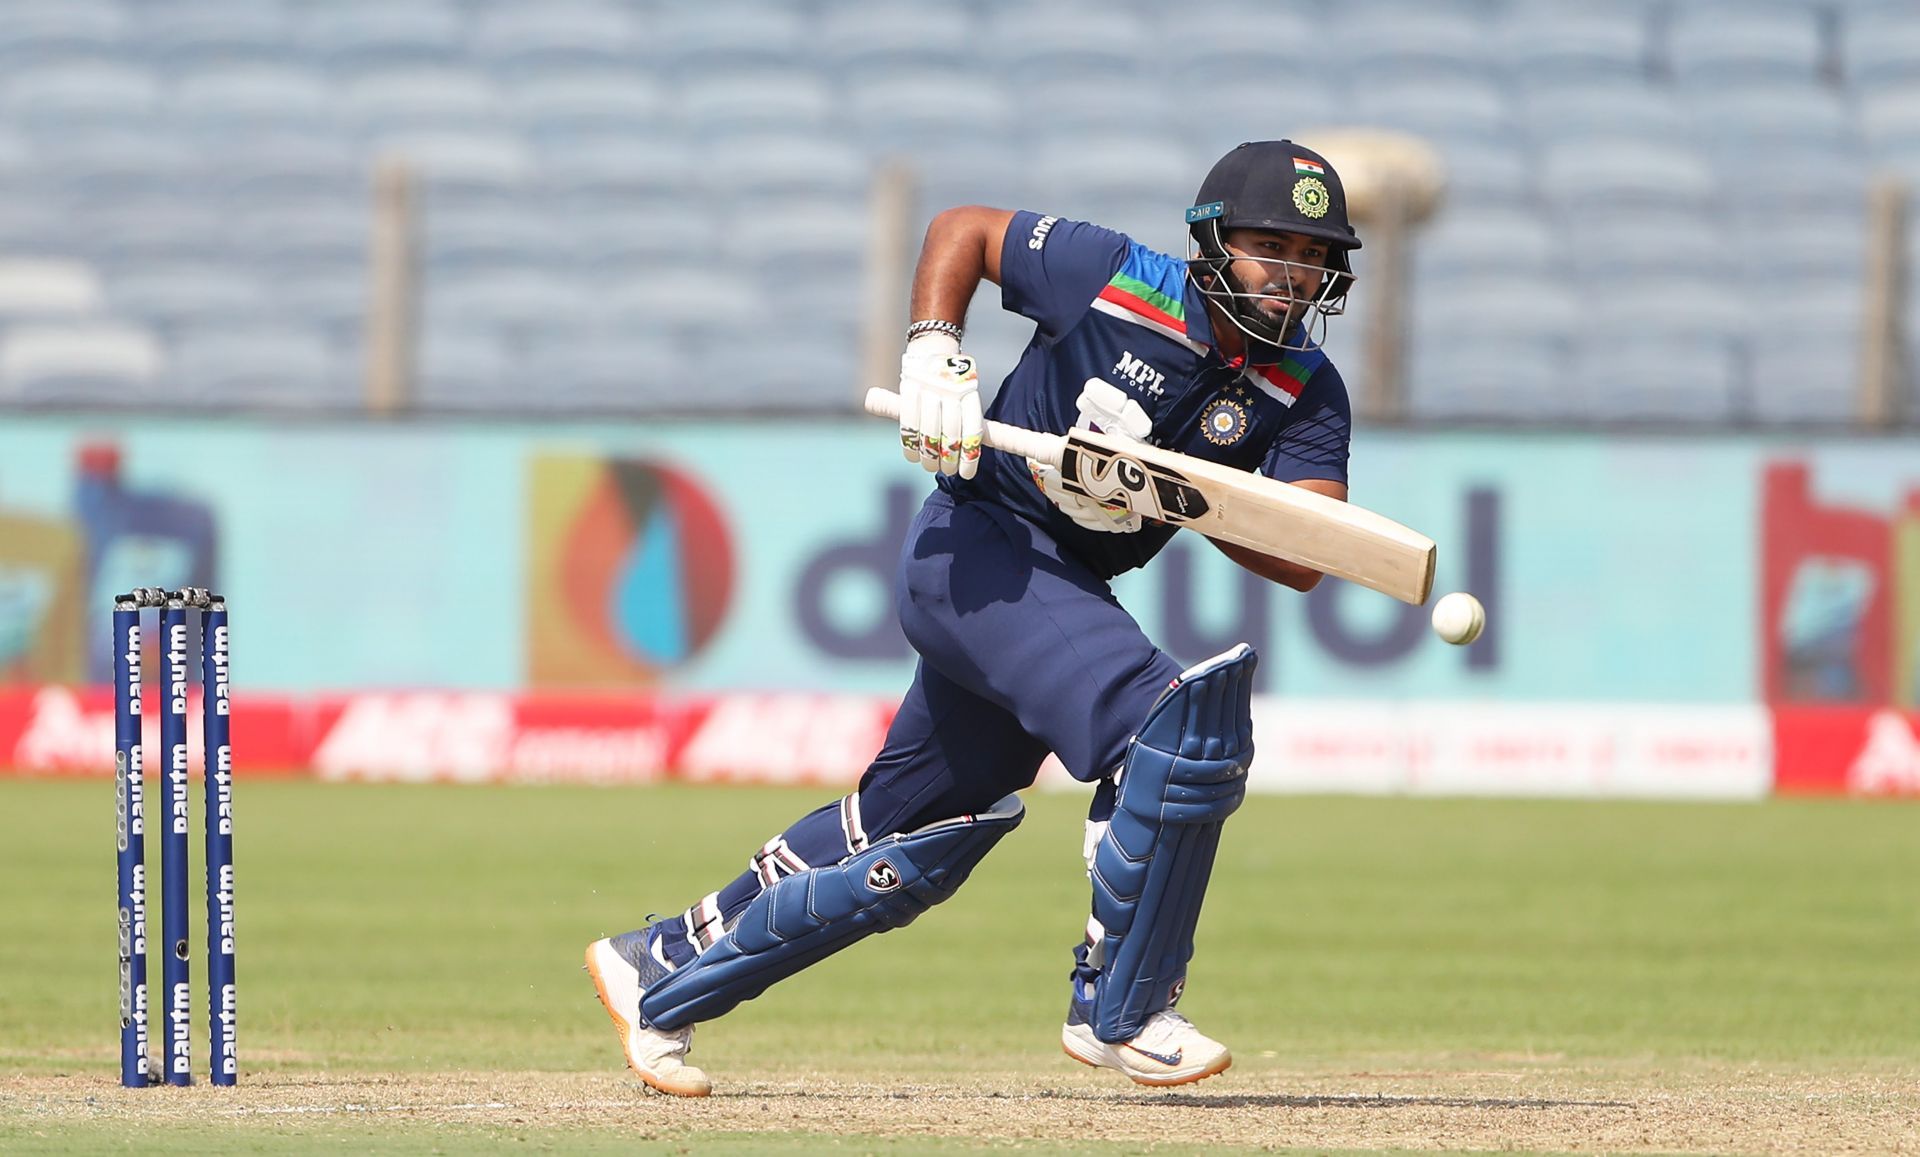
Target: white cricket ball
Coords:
[[1459, 618]]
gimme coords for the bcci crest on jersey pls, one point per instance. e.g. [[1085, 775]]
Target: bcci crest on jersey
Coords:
[[1223, 422]]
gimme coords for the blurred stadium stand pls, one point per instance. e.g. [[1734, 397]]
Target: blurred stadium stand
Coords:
[[1657, 209]]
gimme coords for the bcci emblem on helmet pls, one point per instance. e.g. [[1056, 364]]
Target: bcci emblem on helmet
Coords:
[[1310, 197]]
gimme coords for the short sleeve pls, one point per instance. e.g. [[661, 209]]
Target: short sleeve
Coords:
[[1314, 444], [1051, 269]]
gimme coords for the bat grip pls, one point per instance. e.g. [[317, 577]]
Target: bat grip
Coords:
[[1011, 439]]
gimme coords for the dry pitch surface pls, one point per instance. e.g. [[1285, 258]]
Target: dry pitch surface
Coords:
[[1510, 1105]]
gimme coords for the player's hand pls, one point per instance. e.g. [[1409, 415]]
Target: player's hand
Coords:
[[940, 422], [1106, 408]]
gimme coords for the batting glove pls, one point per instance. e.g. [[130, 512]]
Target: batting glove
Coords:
[[940, 419], [1105, 408]]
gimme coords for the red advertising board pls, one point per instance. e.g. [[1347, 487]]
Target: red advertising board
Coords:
[[1846, 751], [469, 736], [1569, 749]]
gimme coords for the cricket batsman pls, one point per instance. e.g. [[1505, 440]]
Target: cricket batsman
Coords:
[[1002, 589]]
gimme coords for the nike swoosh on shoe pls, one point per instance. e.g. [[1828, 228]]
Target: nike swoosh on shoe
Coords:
[[1170, 1060]]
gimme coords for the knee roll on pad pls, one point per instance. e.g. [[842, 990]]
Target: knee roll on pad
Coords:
[[804, 918], [1185, 773]]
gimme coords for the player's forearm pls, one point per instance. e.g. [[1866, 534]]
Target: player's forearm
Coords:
[[962, 248], [1279, 570]]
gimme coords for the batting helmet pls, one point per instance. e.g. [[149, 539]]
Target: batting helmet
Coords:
[[1272, 185]]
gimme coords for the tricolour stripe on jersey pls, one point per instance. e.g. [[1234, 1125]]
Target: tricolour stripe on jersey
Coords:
[[1282, 382], [1133, 300]]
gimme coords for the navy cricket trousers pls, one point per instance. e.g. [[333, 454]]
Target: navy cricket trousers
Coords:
[[1023, 650]]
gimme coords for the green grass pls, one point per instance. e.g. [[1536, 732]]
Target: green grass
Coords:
[[440, 929]]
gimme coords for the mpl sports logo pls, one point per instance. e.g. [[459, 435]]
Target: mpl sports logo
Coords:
[[1137, 371]]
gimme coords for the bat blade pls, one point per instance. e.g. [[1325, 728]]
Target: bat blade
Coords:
[[1254, 511], [1221, 502]]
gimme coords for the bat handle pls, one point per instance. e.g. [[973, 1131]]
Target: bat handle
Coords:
[[1033, 444]]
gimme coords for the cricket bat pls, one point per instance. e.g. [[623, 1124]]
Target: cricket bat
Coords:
[[1221, 502]]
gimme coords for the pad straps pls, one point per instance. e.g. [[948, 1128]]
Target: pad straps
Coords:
[[803, 918]]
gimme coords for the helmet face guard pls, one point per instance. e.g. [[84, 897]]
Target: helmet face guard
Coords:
[[1285, 188], [1305, 324]]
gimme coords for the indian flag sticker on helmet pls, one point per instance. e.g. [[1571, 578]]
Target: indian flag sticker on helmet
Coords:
[[1311, 197], [1311, 168]]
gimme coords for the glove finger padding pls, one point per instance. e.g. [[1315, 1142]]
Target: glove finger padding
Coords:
[[910, 419], [972, 427], [950, 427], [930, 423]]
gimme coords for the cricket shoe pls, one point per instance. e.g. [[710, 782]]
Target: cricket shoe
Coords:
[[623, 969], [1168, 1051]]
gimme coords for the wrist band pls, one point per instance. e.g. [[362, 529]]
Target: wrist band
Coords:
[[935, 325]]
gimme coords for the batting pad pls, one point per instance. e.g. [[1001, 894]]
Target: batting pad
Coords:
[[804, 918], [1185, 773]]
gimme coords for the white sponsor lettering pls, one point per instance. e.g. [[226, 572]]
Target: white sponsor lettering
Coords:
[[139, 910], [177, 669], [61, 736], [132, 656], [479, 738], [1513, 749], [228, 1013], [223, 899], [1041, 228], [1140, 374], [177, 819], [223, 791], [1889, 764], [180, 1020], [221, 661], [823, 739]]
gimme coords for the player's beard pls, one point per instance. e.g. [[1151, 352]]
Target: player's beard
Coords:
[[1274, 302]]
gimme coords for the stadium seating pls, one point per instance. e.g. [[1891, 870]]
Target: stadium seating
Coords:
[[590, 173], [1660, 378], [187, 37], [1721, 42], [84, 362], [1490, 380], [225, 97], [554, 39], [267, 364], [566, 102]]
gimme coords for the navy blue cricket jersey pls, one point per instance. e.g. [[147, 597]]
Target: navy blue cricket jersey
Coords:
[[1107, 307]]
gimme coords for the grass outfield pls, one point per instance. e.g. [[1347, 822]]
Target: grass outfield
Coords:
[[1391, 973]]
